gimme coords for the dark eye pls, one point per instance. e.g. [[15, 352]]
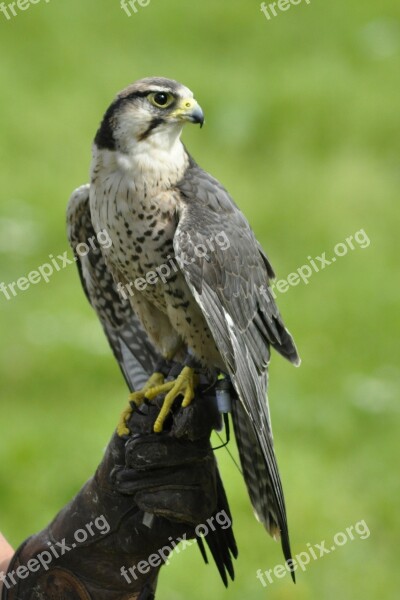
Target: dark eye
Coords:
[[161, 99]]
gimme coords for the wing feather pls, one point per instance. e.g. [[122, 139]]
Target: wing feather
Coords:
[[230, 284], [129, 342]]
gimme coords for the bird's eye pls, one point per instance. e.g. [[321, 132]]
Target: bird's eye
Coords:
[[161, 99]]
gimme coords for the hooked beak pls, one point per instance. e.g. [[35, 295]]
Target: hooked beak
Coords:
[[190, 110]]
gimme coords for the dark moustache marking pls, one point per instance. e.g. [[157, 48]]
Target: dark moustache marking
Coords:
[[154, 123]]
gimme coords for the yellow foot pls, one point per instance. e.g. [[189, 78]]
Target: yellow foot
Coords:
[[183, 385], [138, 398]]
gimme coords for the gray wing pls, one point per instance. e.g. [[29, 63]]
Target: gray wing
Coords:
[[230, 284], [136, 355]]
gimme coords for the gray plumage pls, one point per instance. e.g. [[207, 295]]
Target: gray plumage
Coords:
[[231, 288], [156, 203]]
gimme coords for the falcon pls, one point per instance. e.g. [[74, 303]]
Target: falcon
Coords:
[[214, 311]]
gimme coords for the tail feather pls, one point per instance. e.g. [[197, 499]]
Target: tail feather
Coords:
[[260, 486]]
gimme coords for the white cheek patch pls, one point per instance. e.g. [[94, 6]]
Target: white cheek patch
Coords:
[[132, 121]]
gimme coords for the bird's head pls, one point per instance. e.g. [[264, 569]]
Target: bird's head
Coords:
[[153, 109]]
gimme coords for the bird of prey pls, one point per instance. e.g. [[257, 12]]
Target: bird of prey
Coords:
[[215, 310]]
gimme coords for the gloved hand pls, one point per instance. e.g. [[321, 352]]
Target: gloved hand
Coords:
[[149, 492]]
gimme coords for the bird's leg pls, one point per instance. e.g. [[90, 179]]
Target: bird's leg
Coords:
[[184, 385], [137, 398]]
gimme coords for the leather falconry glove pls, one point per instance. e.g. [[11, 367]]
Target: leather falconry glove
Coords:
[[149, 492]]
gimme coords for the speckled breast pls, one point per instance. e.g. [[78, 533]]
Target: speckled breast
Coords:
[[141, 227]]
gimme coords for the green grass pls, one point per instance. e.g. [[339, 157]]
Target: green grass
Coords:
[[303, 128]]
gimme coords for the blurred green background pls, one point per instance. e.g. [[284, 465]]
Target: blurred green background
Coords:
[[303, 128]]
